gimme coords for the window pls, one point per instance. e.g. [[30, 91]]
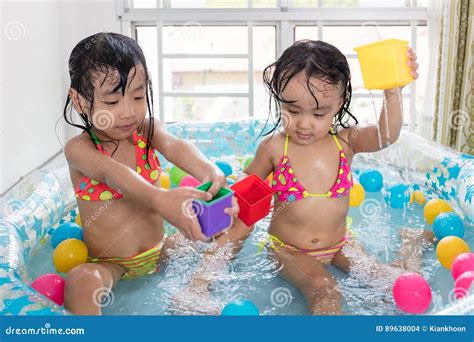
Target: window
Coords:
[[207, 61], [203, 73]]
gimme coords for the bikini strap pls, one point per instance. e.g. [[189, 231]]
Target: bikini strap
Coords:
[[336, 139], [94, 137], [286, 145], [96, 141]]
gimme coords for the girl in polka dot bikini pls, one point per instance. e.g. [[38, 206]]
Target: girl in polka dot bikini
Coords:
[[115, 171], [310, 86]]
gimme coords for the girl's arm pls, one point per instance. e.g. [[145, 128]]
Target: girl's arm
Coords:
[[262, 166], [187, 157], [82, 155], [366, 139]]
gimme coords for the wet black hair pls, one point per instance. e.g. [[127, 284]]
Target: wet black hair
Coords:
[[317, 59], [105, 52]]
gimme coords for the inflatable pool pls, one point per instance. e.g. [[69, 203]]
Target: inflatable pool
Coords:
[[34, 208]]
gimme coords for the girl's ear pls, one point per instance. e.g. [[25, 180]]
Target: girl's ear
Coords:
[[78, 101]]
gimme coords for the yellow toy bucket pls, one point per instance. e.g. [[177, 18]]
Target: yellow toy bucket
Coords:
[[383, 64]]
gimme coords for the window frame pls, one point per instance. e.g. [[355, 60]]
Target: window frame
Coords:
[[285, 19]]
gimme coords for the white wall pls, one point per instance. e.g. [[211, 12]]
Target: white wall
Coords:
[[37, 38]]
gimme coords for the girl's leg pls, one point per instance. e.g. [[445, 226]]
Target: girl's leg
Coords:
[[87, 284], [353, 255], [310, 276]]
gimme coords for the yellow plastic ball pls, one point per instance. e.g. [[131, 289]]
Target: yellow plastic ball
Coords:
[[449, 248], [78, 220], [418, 197], [434, 207], [356, 195], [68, 254], [165, 180]]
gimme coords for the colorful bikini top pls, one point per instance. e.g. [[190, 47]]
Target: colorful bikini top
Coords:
[[91, 190], [288, 189]]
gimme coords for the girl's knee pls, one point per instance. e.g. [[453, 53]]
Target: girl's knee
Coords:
[[95, 275]]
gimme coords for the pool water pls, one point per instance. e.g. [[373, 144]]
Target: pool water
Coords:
[[254, 275]]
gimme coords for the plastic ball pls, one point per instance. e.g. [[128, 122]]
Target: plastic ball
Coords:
[[69, 254], [464, 262], [176, 174], [397, 196], [356, 195], [51, 286], [462, 284], [447, 224], [418, 197], [434, 207], [189, 180], [65, 231], [77, 220], [371, 180], [247, 162], [449, 248], [412, 293], [165, 180], [225, 167], [242, 307]]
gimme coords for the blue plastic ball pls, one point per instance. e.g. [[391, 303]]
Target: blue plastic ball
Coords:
[[447, 224], [242, 307], [225, 167], [371, 180], [397, 196], [68, 230]]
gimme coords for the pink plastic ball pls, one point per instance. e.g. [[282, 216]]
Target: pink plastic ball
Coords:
[[463, 283], [412, 293], [50, 285], [189, 180], [464, 262]]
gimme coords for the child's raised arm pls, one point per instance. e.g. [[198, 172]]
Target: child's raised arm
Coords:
[[82, 155], [366, 139]]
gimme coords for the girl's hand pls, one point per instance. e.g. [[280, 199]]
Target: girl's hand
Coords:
[[218, 181], [234, 210], [176, 207], [411, 62]]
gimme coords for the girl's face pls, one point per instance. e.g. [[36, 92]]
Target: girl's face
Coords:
[[304, 121], [115, 114]]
